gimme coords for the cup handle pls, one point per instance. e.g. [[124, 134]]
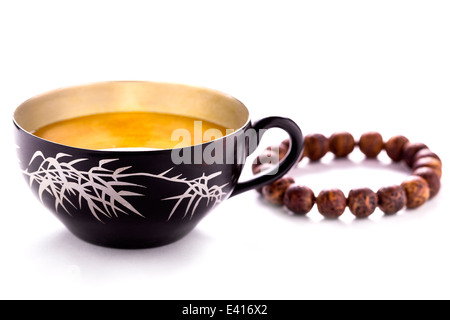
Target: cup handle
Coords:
[[286, 164]]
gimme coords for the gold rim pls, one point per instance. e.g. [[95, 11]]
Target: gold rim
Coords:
[[129, 96]]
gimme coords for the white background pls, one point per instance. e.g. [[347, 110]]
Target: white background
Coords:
[[329, 65]]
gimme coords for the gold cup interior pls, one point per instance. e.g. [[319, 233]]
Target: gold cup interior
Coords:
[[131, 96]]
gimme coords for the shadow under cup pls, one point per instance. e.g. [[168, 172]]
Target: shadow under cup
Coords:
[[140, 199]]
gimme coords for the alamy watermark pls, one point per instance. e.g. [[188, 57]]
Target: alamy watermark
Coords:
[[230, 150]]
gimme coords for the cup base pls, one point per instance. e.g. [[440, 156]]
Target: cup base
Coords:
[[128, 241], [128, 245]]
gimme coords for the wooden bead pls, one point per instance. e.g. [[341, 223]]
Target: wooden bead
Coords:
[[432, 179], [331, 203], [429, 162], [286, 143], [371, 144], [394, 147], [299, 199], [267, 157], [341, 144], [412, 193], [417, 191], [426, 153], [410, 150], [391, 199], [261, 168], [274, 192], [316, 146], [281, 150], [362, 202]]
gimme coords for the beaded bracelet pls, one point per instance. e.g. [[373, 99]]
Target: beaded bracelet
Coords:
[[421, 186]]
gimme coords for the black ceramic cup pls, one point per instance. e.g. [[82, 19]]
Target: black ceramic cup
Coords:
[[140, 198]]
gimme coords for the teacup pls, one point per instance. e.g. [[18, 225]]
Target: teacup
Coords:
[[141, 198]]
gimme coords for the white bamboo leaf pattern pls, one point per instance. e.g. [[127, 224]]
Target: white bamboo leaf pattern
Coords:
[[103, 190]]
